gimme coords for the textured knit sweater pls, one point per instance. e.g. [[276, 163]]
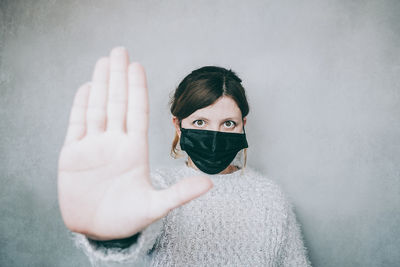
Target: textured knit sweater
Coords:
[[244, 220]]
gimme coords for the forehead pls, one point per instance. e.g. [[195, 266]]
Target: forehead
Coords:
[[224, 107]]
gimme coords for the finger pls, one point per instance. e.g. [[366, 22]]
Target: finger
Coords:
[[138, 106], [185, 191], [77, 119], [96, 112], [117, 93]]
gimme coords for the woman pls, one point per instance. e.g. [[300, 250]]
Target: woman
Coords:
[[207, 213]]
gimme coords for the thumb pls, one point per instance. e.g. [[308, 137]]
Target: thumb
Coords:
[[184, 191]]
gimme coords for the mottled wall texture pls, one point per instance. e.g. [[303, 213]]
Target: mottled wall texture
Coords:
[[323, 84]]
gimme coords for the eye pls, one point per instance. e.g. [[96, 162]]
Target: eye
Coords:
[[229, 124], [199, 123]]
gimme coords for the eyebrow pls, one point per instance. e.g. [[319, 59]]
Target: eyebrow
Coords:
[[224, 119]]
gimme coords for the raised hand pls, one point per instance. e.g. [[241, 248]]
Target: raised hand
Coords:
[[104, 187]]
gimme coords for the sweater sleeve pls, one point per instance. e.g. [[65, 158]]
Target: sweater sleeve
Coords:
[[132, 251], [294, 251]]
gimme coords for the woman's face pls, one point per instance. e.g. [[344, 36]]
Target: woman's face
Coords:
[[223, 116]]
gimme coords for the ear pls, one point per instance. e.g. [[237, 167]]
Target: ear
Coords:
[[175, 122], [244, 121]]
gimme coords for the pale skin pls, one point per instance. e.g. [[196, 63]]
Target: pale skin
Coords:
[[104, 185]]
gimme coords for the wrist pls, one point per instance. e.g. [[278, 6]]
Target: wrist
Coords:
[[115, 243]]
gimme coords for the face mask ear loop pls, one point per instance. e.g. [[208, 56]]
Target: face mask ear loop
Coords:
[[244, 165]]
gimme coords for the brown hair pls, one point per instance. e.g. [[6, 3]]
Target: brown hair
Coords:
[[201, 88]]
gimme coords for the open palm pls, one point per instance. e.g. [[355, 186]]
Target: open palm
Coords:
[[104, 185]]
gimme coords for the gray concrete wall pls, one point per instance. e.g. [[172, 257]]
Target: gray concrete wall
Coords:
[[323, 83]]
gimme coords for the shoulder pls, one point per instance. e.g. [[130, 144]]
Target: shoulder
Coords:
[[263, 181], [166, 175], [269, 187]]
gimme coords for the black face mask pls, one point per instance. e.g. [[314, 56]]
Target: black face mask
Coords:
[[212, 151]]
